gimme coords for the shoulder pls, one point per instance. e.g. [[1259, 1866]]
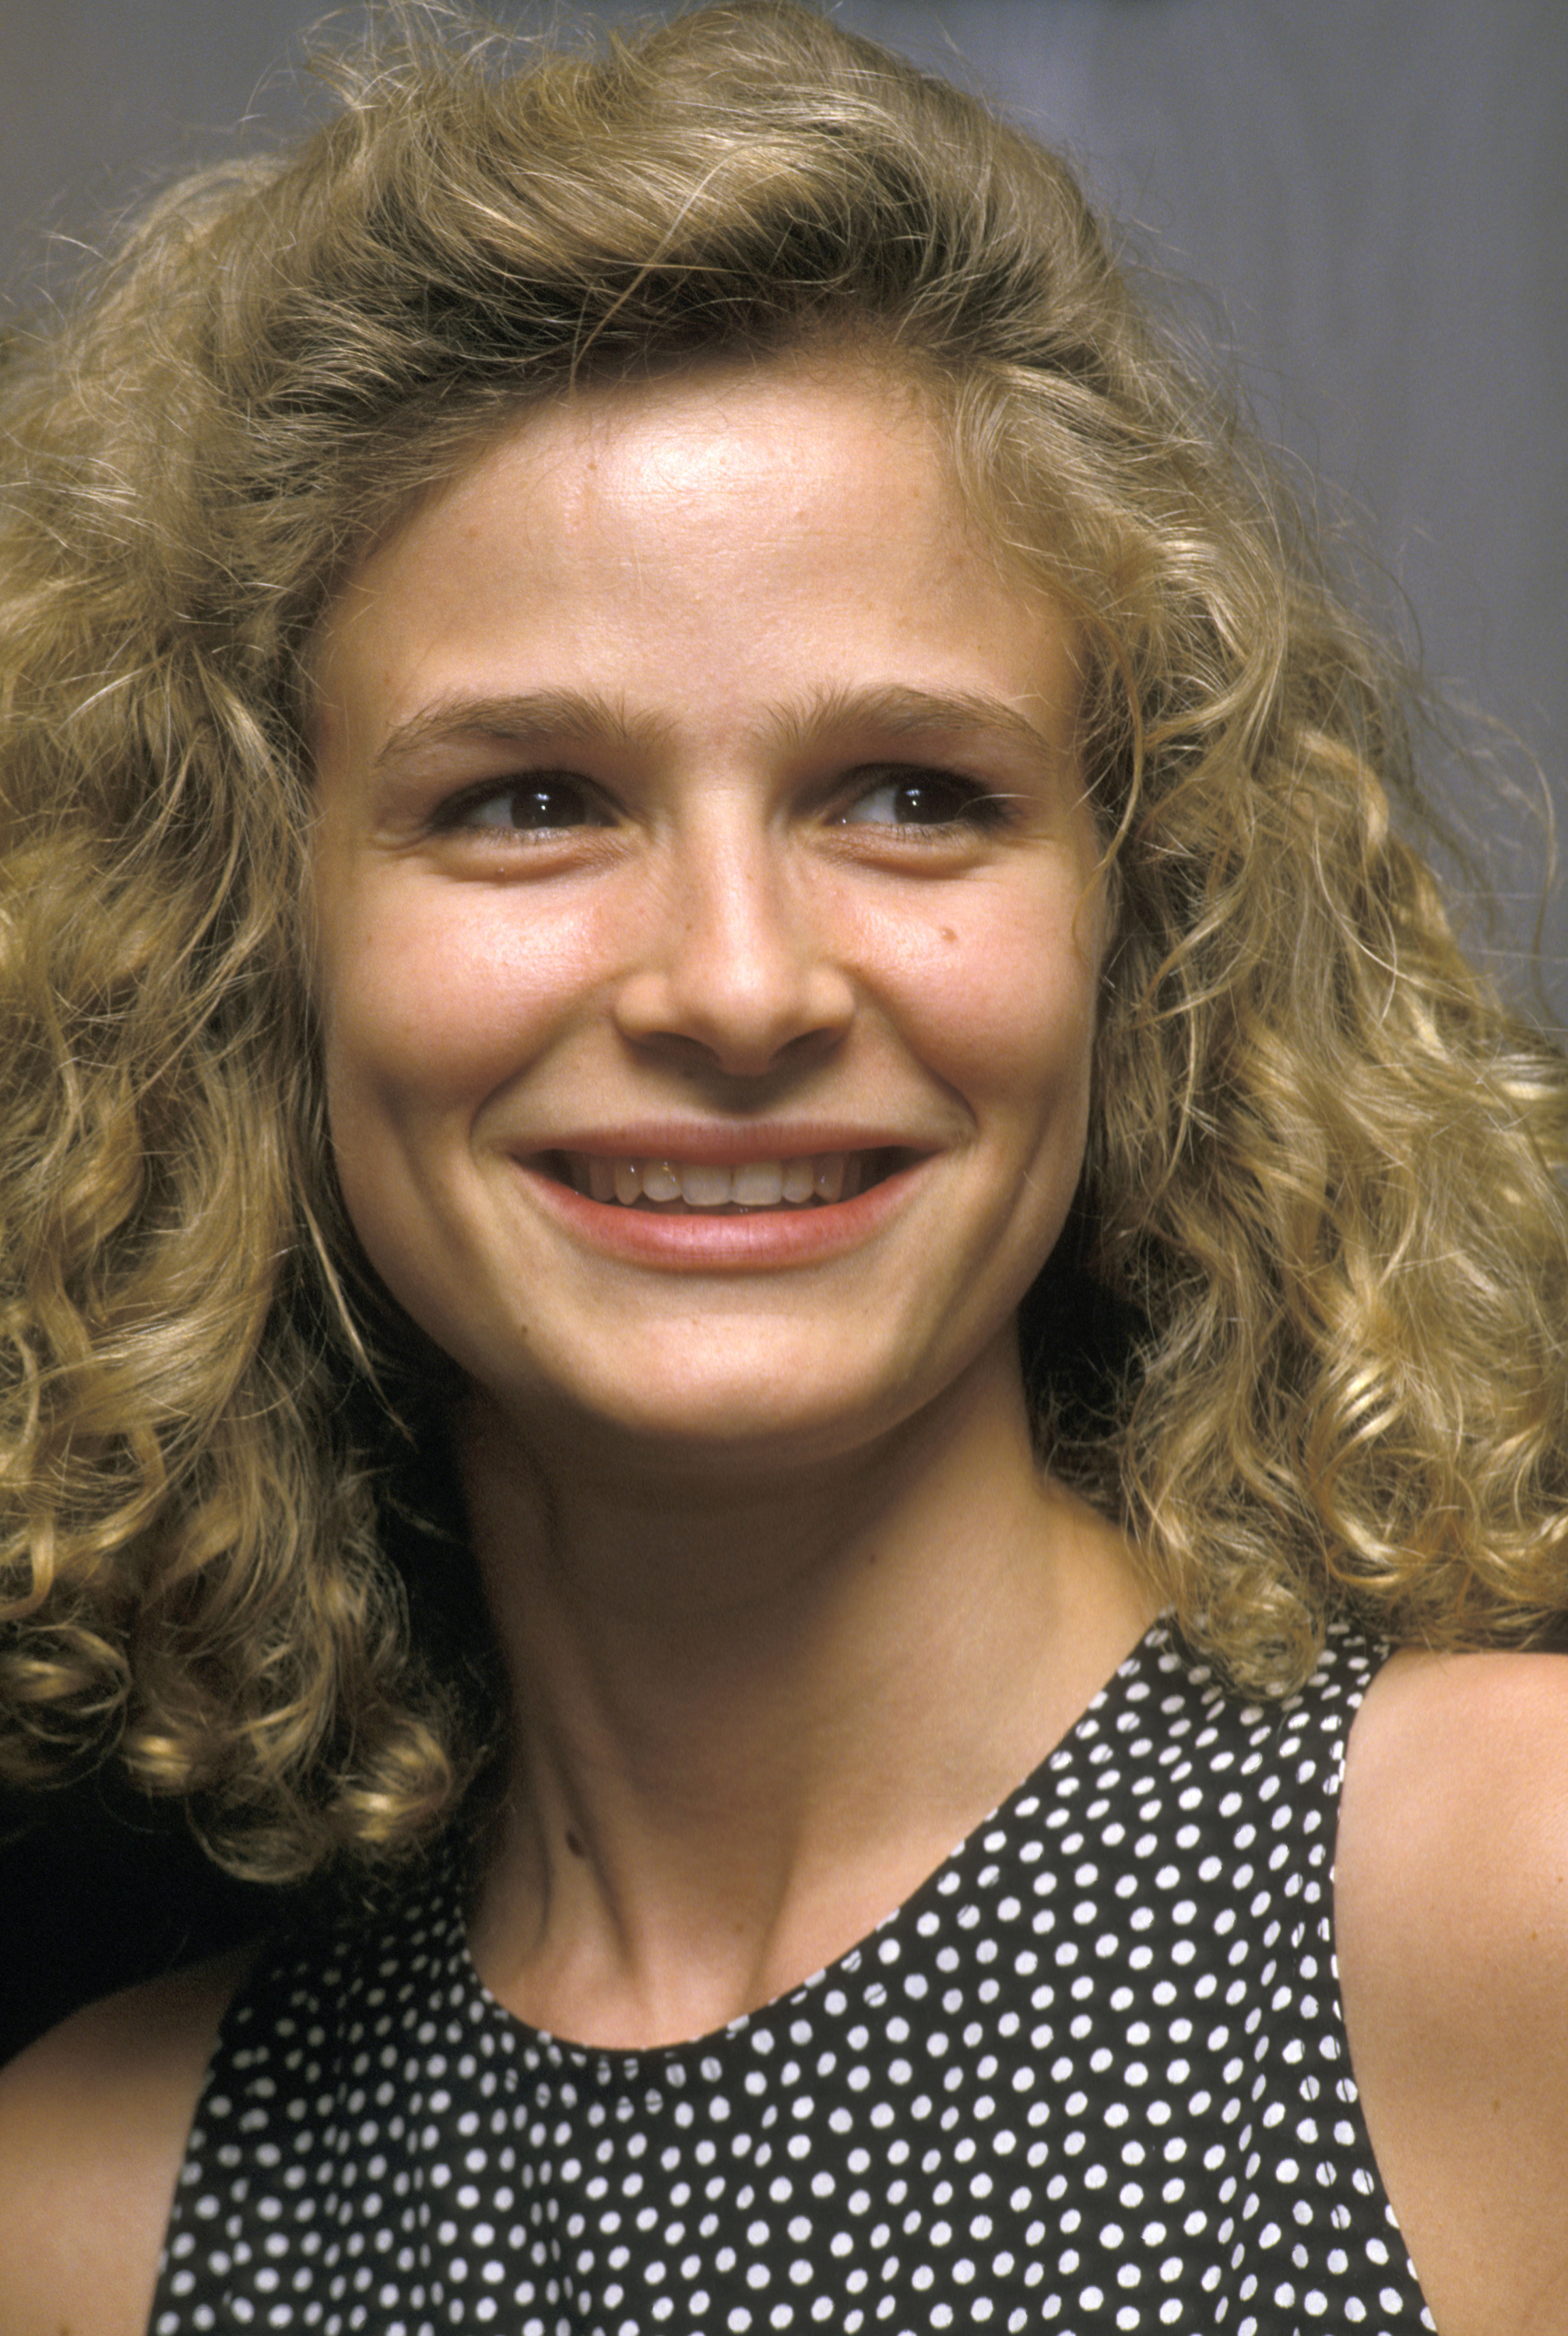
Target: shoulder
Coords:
[[1451, 1912], [97, 2113], [1455, 1803], [1433, 1727]]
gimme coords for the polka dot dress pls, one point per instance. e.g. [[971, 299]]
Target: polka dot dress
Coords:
[[1090, 2078]]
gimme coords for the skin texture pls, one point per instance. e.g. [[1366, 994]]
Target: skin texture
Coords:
[[93, 2124], [700, 619], [618, 740], [757, 1517], [1451, 1899]]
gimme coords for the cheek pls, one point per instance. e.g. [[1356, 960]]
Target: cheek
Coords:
[[1004, 1003], [425, 1016], [428, 1008]]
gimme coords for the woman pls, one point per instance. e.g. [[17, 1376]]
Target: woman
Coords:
[[739, 1148]]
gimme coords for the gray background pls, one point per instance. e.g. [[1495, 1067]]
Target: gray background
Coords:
[[1374, 190]]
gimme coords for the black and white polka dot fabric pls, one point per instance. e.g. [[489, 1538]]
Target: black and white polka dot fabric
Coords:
[[1091, 2077]]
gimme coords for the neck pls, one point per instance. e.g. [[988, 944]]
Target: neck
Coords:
[[756, 1710]]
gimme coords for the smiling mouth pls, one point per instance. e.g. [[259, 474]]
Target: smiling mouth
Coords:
[[684, 1187]]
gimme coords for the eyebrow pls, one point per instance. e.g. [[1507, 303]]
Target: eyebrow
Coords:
[[538, 717], [898, 711], [549, 717]]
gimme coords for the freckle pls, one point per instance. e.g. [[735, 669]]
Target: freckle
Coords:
[[574, 1844]]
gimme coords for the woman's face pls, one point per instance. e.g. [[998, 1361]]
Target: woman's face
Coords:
[[707, 916]]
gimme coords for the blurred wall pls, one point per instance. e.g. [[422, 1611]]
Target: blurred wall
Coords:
[[1374, 190]]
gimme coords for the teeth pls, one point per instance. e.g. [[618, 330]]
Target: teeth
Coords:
[[824, 1176], [706, 1188], [759, 1184]]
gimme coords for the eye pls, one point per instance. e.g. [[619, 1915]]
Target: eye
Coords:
[[542, 804], [925, 799]]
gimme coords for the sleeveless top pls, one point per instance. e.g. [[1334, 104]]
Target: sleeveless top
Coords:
[[1090, 2078]]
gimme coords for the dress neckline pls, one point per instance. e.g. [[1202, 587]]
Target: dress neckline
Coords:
[[1048, 1775]]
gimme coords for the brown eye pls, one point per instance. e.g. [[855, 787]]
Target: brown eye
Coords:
[[921, 799], [540, 804]]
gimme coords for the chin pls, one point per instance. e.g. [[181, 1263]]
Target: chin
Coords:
[[695, 1423]]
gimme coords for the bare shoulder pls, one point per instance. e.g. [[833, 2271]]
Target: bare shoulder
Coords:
[[93, 2119], [1446, 1747], [1451, 1907], [1454, 1829]]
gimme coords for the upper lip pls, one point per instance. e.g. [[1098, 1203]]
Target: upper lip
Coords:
[[706, 1146]]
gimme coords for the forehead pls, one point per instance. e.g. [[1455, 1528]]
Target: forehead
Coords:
[[711, 416], [723, 421], [734, 530]]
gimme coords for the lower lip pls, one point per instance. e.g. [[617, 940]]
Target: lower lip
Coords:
[[769, 1238]]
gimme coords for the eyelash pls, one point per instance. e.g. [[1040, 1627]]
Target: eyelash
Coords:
[[455, 816], [970, 804]]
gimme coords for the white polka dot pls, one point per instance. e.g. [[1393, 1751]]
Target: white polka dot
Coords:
[[377, 2135]]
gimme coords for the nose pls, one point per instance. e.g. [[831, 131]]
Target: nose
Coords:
[[737, 958]]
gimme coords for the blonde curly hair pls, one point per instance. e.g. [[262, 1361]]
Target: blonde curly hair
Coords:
[[1324, 1200]]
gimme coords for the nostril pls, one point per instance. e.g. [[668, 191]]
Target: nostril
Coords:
[[741, 981], [707, 1037]]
